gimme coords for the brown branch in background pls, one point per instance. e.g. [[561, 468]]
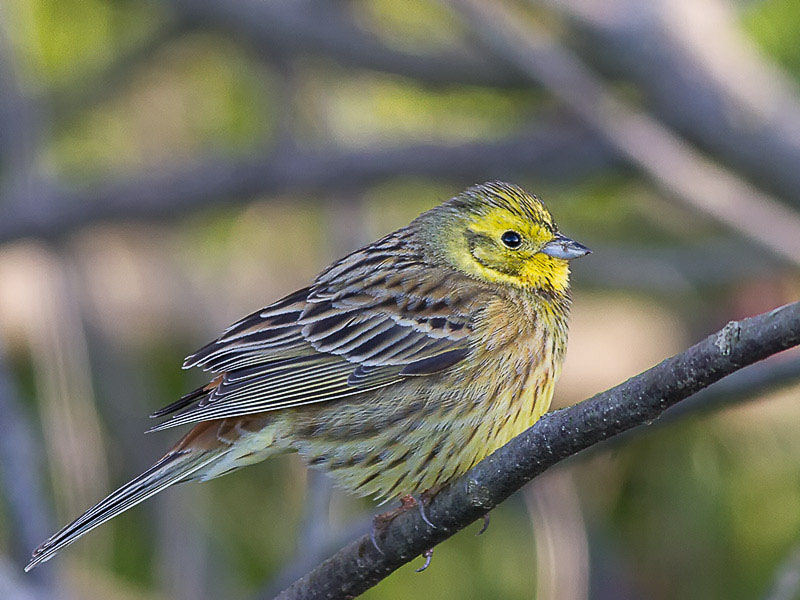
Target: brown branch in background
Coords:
[[322, 28], [561, 542], [558, 435], [726, 96], [681, 171], [557, 152]]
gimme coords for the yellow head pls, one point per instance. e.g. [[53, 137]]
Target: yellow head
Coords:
[[499, 233]]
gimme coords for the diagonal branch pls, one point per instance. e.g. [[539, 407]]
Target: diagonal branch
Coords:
[[665, 158], [556, 436], [727, 96], [326, 29]]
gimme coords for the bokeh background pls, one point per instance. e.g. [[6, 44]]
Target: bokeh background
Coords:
[[169, 166]]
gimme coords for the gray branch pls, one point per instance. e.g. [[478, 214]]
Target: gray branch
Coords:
[[324, 29], [555, 153], [786, 585], [20, 473], [683, 173], [558, 435], [726, 96]]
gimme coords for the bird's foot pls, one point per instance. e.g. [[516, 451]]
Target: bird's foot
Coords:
[[381, 522], [428, 555], [424, 501]]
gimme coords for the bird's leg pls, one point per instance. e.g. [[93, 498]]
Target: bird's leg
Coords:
[[381, 521]]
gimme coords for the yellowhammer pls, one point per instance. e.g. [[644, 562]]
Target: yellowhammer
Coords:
[[400, 367]]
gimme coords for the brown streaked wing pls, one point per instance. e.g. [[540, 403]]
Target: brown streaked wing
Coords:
[[270, 333], [369, 321], [324, 379]]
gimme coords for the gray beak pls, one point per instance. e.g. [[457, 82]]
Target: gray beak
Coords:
[[565, 248]]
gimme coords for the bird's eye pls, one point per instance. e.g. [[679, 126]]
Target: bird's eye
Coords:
[[511, 239]]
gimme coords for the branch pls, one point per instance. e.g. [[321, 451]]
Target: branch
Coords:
[[556, 436], [680, 268], [678, 169], [20, 123], [306, 559], [709, 96], [324, 29], [20, 473], [726, 96], [742, 386], [554, 153]]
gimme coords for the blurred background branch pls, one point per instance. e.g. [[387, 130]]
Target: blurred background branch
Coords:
[[681, 171], [787, 578], [167, 166], [552, 152], [21, 475]]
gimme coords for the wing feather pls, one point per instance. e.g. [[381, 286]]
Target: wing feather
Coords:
[[371, 320]]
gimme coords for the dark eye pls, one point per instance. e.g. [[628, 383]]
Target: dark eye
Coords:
[[511, 239]]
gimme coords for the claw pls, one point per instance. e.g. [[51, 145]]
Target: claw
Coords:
[[373, 531], [423, 514], [428, 554], [485, 524]]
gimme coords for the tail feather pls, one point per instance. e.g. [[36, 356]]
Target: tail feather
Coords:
[[174, 467]]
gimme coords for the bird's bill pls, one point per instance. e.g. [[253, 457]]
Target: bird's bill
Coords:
[[563, 247]]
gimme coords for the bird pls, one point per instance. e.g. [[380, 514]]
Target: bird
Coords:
[[396, 370]]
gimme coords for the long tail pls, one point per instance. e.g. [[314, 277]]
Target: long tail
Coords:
[[184, 462]]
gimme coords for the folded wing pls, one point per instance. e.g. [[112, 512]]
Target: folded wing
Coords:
[[371, 320]]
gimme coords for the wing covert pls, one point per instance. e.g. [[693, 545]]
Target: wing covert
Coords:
[[371, 320]]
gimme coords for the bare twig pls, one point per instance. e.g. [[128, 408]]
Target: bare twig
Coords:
[[726, 96], [553, 153], [681, 171], [743, 386], [556, 436]]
